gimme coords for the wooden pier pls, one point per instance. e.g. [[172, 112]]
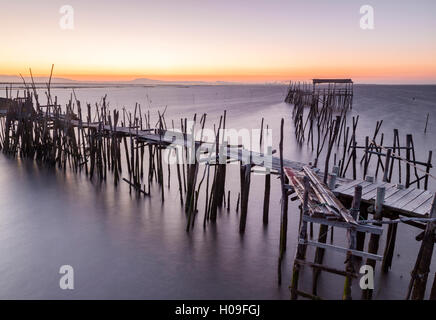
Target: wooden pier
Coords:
[[94, 141], [336, 94]]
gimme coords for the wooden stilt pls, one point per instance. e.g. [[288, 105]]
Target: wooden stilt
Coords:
[[419, 277], [266, 197], [375, 238], [350, 268], [301, 249], [245, 176], [390, 247]]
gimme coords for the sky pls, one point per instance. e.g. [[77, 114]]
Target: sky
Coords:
[[237, 40]]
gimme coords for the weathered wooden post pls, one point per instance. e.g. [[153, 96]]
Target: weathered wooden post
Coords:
[[408, 150], [266, 197], [301, 249], [331, 185], [332, 180], [387, 160], [267, 191], [375, 238], [419, 278], [354, 211], [365, 164], [284, 198], [190, 205], [426, 123], [390, 247], [245, 191], [427, 169], [364, 215], [433, 290]]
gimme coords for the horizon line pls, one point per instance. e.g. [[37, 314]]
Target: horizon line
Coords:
[[159, 81]]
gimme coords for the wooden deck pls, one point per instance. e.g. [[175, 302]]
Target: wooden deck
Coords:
[[411, 202]]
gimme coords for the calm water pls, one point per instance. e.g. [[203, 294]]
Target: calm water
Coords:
[[124, 247]]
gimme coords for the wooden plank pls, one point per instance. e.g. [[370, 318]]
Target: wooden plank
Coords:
[[370, 195], [351, 186], [425, 207], [372, 187], [409, 198], [392, 191], [325, 195], [350, 192], [391, 201], [341, 249], [347, 186], [423, 198], [341, 224], [325, 268]]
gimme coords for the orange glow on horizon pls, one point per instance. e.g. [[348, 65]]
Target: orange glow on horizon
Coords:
[[356, 73]]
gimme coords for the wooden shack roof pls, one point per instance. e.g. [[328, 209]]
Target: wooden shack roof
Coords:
[[316, 81]]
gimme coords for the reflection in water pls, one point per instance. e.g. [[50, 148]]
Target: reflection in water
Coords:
[[124, 247]]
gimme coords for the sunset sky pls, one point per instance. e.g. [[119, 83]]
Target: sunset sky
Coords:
[[237, 40]]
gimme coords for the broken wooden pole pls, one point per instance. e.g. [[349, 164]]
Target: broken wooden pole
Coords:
[[426, 123]]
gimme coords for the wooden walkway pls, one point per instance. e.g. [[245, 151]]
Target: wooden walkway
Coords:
[[168, 137], [410, 202]]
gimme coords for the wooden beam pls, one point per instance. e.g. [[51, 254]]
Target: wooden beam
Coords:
[[341, 249], [340, 224], [325, 268]]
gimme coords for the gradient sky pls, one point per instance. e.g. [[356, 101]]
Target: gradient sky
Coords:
[[238, 40]]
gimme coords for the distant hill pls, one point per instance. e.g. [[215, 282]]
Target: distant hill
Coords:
[[145, 81], [138, 81], [7, 78], [152, 81]]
